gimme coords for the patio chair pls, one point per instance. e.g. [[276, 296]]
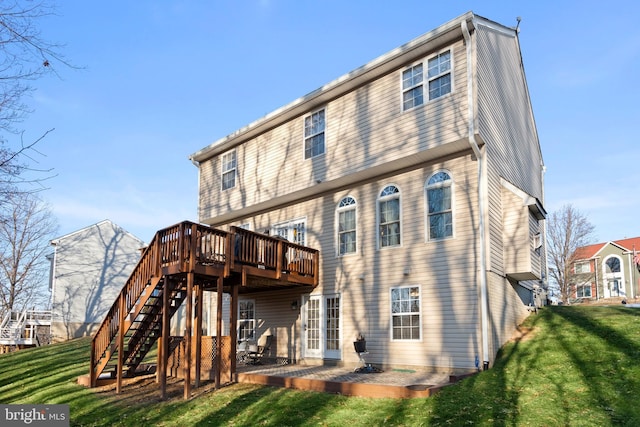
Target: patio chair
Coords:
[[255, 357]]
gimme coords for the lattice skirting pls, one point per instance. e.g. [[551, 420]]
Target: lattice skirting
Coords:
[[175, 364]]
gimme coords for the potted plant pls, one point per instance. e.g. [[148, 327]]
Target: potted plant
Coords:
[[360, 344]]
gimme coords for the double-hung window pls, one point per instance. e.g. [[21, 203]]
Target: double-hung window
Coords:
[[412, 88], [229, 167], [439, 75], [582, 267], [583, 291], [437, 78], [405, 313], [439, 206], [346, 214], [314, 126], [389, 217]]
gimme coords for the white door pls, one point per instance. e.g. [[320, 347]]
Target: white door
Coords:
[[321, 327]]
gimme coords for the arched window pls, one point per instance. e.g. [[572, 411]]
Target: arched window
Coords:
[[346, 219], [439, 206], [613, 265], [613, 277], [389, 217]]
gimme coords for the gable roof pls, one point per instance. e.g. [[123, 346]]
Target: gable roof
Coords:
[[393, 60], [96, 225], [629, 244], [590, 251]]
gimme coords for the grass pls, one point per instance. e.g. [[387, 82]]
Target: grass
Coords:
[[573, 366]]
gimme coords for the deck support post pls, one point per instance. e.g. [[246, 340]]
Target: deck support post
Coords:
[[218, 361], [198, 335], [187, 337], [121, 331], [163, 348], [233, 332], [92, 373]]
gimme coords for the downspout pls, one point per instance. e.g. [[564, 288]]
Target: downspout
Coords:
[[484, 303]]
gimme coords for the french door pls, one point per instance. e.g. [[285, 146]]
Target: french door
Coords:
[[321, 326]]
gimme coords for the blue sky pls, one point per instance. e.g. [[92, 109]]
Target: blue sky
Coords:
[[159, 80]]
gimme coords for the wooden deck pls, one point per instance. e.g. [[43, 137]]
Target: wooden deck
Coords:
[[179, 264]]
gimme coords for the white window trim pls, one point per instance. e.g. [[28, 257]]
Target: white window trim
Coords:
[[337, 224], [378, 199], [426, 79], [288, 224], [334, 354], [582, 263], [403, 90], [223, 172], [426, 207], [420, 313], [255, 320], [305, 137]]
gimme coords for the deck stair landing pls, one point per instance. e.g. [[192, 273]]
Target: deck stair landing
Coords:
[[202, 255], [21, 328]]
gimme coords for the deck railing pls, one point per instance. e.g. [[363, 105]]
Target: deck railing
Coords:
[[273, 253], [180, 248]]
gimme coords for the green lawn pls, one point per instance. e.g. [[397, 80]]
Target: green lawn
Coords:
[[574, 366]]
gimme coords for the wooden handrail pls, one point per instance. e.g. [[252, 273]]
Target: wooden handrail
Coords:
[[273, 253], [180, 248]]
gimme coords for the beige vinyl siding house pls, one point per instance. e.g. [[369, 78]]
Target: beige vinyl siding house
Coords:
[[418, 176], [89, 267]]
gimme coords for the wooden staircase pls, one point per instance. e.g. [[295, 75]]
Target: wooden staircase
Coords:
[[134, 322]]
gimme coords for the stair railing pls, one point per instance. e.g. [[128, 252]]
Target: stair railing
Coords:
[[170, 249], [148, 266]]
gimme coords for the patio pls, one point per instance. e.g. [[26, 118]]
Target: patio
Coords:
[[392, 383]]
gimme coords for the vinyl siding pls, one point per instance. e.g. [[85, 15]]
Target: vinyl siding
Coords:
[[90, 267], [506, 310], [516, 234], [504, 111], [444, 271], [366, 131], [495, 226], [364, 128]]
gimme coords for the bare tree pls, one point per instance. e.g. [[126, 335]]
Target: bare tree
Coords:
[[25, 232], [567, 230], [24, 57]]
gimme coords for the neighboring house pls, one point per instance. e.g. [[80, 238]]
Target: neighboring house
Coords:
[[88, 269], [419, 177], [607, 270]]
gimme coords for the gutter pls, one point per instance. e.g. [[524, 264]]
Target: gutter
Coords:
[[482, 197]]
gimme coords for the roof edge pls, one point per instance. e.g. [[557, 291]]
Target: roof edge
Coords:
[[345, 83]]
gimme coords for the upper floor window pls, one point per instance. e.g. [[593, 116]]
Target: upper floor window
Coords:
[[229, 167], [439, 206], [314, 125], [346, 214], [389, 216], [405, 313], [613, 265], [438, 78], [582, 267], [412, 89], [440, 75]]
